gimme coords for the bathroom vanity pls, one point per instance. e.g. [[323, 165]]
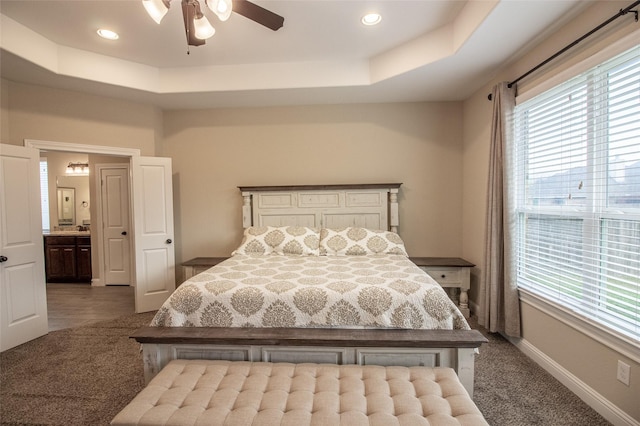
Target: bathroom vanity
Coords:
[[68, 256]]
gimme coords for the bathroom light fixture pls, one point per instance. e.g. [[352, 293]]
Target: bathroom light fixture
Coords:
[[78, 169], [371, 19]]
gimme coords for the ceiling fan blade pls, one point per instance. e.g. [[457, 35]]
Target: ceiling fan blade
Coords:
[[188, 13], [258, 14]]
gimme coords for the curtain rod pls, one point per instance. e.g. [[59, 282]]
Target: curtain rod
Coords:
[[622, 12]]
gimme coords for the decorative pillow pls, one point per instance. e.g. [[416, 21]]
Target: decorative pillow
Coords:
[[285, 240], [354, 241]]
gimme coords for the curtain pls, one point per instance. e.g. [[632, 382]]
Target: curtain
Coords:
[[498, 296]]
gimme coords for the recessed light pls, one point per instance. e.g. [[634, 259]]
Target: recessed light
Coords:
[[371, 19], [108, 34]]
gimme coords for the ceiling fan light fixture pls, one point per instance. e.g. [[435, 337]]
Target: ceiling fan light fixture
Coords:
[[371, 19], [156, 9], [203, 29], [198, 28], [222, 8]]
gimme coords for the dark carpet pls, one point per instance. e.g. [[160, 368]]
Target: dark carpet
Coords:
[[512, 390], [86, 375], [77, 376]]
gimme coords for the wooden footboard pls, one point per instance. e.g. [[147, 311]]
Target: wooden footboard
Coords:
[[432, 348]]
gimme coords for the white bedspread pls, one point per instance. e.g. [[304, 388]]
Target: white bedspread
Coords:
[[380, 291]]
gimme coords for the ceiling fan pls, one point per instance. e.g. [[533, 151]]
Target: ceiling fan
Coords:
[[197, 26]]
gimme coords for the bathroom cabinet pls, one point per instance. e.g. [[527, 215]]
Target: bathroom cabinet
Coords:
[[67, 258]]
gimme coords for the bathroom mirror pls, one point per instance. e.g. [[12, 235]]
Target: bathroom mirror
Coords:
[[80, 213], [66, 206]]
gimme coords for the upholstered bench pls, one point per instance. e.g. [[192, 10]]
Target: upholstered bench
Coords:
[[204, 392]]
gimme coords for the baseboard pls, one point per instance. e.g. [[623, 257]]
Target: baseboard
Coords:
[[596, 401]]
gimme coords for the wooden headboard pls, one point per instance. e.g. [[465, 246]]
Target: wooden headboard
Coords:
[[373, 206]]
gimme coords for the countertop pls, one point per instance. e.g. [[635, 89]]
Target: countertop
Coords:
[[63, 233]]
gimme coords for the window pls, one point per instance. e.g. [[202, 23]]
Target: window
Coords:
[[44, 193], [577, 174]]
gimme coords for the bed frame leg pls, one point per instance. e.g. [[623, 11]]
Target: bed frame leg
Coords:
[[466, 360], [151, 360]]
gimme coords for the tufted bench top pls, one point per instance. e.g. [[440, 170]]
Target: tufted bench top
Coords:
[[205, 392]]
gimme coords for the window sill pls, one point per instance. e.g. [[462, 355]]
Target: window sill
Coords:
[[623, 345]]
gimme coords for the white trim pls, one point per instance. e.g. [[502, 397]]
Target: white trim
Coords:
[[624, 347], [74, 147], [621, 45], [599, 403], [99, 231]]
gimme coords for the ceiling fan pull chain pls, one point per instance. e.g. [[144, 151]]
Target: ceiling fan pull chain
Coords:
[[186, 27]]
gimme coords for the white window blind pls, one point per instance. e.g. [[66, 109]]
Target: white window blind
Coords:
[[577, 173], [44, 194]]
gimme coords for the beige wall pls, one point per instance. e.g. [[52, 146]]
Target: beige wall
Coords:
[[4, 111], [36, 112], [590, 361], [215, 151]]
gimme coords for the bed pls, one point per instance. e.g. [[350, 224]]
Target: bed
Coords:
[[321, 275]]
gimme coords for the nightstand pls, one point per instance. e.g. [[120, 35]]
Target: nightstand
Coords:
[[449, 272], [199, 264]]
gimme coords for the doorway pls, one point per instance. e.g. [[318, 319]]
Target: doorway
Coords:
[[153, 254], [97, 203]]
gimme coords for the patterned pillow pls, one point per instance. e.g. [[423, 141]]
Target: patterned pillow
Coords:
[[285, 240], [354, 241]]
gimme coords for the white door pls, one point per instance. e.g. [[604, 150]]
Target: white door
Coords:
[[23, 292], [114, 189], [152, 202]]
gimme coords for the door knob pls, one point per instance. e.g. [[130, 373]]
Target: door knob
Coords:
[[123, 233], [169, 241], [3, 259]]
